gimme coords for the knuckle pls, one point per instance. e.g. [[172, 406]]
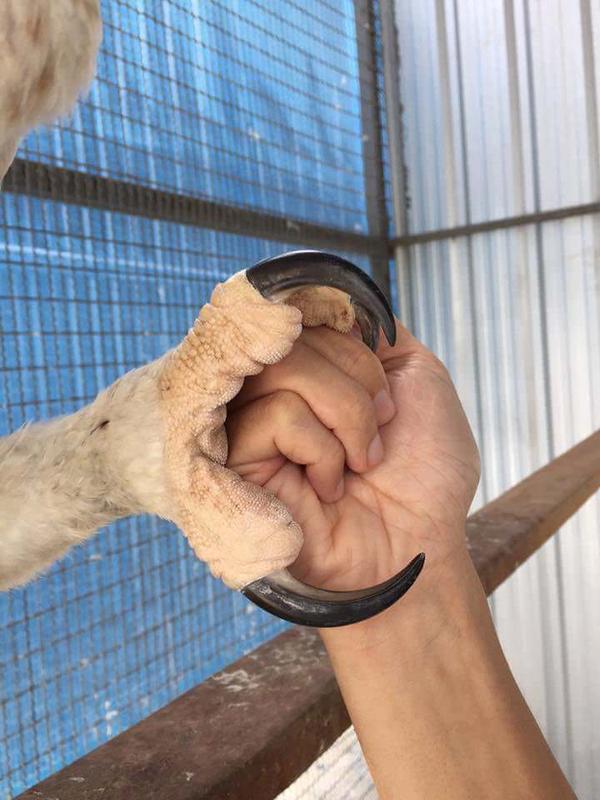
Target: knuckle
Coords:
[[367, 368], [361, 359], [355, 357], [358, 412], [285, 406]]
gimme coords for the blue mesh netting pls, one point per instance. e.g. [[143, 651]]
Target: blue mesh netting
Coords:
[[255, 105]]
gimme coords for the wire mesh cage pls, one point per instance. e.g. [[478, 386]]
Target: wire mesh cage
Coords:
[[220, 132], [210, 128]]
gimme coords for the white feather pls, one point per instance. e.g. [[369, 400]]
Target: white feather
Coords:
[[47, 59]]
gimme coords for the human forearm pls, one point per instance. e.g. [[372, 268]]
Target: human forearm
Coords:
[[433, 701], [435, 706]]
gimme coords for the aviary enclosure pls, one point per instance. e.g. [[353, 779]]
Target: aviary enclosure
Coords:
[[449, 147]]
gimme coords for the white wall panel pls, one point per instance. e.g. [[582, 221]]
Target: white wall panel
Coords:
[[499, 107], [553, 30], [515, 313], [501, 113]]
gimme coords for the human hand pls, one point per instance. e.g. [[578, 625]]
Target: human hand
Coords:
[[305, 427], [404, 674]]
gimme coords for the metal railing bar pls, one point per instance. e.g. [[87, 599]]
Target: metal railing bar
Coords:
[[533, 218], [89, 190], [370, 113], [506, 531]]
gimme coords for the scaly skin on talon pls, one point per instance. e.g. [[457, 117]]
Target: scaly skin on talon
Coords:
[[242, 531], [155, 442]]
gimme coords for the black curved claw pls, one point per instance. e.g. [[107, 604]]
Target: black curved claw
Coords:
[[288, 598], [280, 593], [299, 268]]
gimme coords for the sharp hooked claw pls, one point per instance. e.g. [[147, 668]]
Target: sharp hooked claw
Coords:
[[288, 598], [280, 593], [274, 277]]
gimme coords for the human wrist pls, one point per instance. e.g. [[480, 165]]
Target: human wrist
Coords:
[[446, 598]]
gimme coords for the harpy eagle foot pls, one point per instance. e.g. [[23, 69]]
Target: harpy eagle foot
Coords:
[[279, 592], [244, 533], [154, 442]]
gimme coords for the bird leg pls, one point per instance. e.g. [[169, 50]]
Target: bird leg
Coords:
[[155, 442]]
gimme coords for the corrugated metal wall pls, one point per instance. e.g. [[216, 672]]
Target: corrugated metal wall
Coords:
[[501, 119]]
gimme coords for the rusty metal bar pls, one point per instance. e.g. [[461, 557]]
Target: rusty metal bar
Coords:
[[245, 733], [505, 532], [253, 728]]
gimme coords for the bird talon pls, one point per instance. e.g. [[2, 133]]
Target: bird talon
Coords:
[[280, 593], [288, 598], [276, 278]]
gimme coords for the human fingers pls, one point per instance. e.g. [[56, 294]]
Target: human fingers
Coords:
[[341, 403], [283, 424], [353, 357]]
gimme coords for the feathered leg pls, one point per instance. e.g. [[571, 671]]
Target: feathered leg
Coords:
[[155, 442]]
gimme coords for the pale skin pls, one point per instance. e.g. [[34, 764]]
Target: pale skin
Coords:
[[431, 696]]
